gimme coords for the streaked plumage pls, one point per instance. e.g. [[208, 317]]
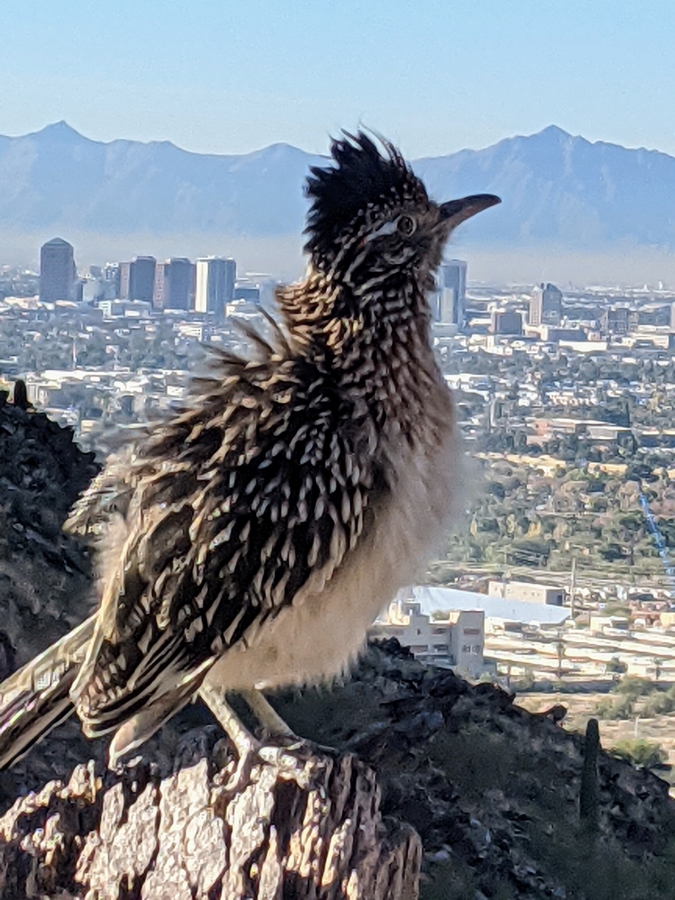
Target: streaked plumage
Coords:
[[252, 537]]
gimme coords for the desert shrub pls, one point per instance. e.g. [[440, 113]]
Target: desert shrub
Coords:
[[617, 609], [634, 686], [640, 752], [658, 704], [525, 682], [608, 708]]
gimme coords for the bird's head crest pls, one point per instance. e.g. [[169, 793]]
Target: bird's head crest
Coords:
[[360, 179]]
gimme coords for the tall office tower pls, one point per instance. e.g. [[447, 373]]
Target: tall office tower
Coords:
[[174, 284], [181, 284], [267, 289], [447, 301], [57, 271], [546, 305], [160, 291], [214, 284], [125, 280], [137, 278], [111, 276]]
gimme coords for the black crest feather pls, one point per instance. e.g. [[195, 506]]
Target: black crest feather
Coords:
[[361, 177]]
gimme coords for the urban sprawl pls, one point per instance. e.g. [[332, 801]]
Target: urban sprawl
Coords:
[[563, 569]]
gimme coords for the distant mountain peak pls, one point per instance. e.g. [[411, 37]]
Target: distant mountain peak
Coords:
[[59, 130], [553, 131]]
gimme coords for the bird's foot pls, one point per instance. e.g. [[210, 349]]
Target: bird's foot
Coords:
[[274, 741], [240, 772], [247, 747], [274, 729]]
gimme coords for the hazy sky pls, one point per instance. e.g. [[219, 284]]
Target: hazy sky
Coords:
[[230, 76]]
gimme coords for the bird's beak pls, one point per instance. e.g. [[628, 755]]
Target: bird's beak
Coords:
[[455, 211]]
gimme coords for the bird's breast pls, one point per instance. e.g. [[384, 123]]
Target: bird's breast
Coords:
[[322, 631]]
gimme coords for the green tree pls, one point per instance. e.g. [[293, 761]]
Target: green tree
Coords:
[[615, 666]]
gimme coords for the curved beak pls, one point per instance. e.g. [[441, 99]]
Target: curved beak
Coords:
[[455, 211]]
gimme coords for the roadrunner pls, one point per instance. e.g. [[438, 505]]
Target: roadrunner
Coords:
[[249, 540]]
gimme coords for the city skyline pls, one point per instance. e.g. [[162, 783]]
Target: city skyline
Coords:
[[203, 287], [232, 80], [571, 209]]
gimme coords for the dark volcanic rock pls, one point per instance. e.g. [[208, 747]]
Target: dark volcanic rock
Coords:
[[45, 575], [492, 789], [45, 580]]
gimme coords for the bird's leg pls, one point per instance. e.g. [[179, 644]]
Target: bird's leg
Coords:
[[270, 720], [274, 727], [276, 741], [246, 745]]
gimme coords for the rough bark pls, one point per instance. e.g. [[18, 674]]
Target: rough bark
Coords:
[[299, 825]]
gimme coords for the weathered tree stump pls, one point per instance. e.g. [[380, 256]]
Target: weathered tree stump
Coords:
[[302, 825]]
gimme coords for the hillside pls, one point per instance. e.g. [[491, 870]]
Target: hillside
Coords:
[[493, 790], [45, 575], [558, 190]]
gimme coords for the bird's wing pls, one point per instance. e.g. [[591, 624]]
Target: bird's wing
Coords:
[[238, 504], [107, 495]]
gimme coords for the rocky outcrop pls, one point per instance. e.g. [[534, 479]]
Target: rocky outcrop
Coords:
[[304, 825], [495, 794], [45, 575], [493, 790]]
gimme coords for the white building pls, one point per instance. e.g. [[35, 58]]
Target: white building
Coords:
[[497, 610], [130, 309], [455, 641], [527, 592], [191, 330], [214, 284]]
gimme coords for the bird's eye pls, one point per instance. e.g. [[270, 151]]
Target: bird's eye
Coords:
[[406, 225]]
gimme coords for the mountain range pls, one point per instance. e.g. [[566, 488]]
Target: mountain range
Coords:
[[557, 190]]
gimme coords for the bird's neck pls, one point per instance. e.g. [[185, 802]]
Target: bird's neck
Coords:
[[389, 364], [375, 346]]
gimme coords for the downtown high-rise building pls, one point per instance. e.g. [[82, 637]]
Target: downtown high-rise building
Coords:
[[137, 279], [162, 286], [110, 278], [214, 284], [174, 284], [58, 275], [545, 305], [448, 300]]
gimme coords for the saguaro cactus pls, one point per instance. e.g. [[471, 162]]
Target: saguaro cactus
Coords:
[[589, 795]]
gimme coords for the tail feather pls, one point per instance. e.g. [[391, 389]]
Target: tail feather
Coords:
[[36, 699]]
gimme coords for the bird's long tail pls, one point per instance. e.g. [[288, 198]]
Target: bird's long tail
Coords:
[[37, 697]]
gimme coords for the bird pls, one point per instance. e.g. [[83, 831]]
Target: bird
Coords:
[[248, 540]]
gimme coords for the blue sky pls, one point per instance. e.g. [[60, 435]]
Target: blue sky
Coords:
[[228, 77]]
